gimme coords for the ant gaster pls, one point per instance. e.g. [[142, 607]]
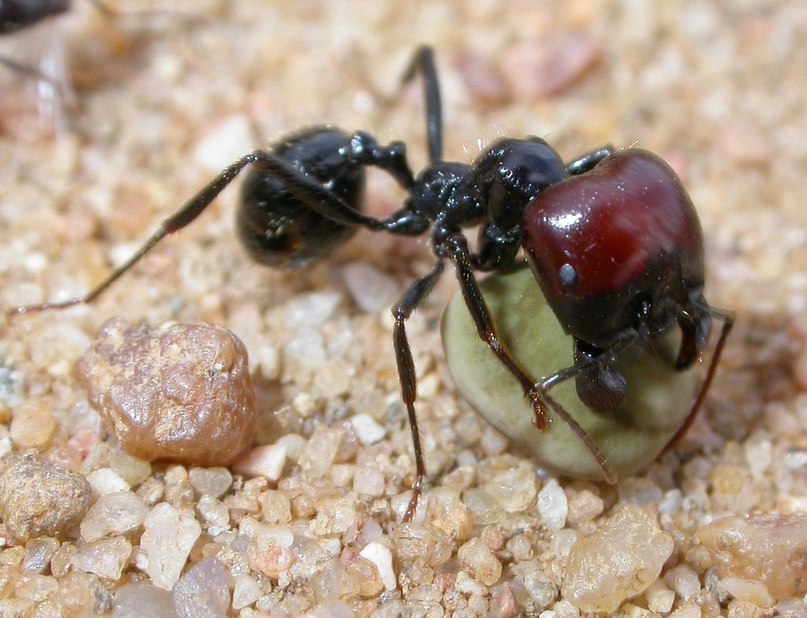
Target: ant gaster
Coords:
[[612, 238]]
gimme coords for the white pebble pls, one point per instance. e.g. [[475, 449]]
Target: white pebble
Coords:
[[167, 541], [795, 459], [746, 590], [368, 431], [113, 513], [371, 290], [142, 600], [245, 592], [307, 348], [758, 454], [683, 580], [230, 139], [267, 461], [368, 481], [659, 598], [553, 505], [381, 557], [105, 558], [106, 481], [311, 310], [619, 560]]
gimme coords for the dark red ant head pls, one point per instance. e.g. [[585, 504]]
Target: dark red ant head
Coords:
[[616, 245]]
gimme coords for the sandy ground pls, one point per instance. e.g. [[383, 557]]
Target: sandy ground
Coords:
[[164, 100]]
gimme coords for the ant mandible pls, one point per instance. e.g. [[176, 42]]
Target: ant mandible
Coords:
[[612, 238]]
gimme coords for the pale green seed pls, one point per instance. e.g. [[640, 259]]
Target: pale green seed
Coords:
[[631, 436]]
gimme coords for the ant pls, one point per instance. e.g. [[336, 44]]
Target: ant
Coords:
[[612, 238]]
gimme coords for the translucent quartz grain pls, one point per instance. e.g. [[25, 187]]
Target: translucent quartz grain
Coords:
[[618, 561]]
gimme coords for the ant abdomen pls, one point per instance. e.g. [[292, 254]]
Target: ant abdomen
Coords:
[[276, 228]]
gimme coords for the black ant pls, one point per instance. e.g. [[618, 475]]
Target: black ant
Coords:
[[612, 238]]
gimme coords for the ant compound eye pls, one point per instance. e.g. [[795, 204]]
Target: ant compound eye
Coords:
[[568, 276]]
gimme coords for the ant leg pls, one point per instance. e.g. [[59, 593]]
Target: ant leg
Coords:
[[307, 189], [365, 150], [728, 323], [536, 392], [423, 62], [588, 161], [411, 298], [185, 215]]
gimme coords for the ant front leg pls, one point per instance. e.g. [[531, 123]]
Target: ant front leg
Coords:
[[728, 323], [535, 391], [413, 296]]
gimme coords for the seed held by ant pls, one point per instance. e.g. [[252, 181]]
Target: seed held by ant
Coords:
[[630, 436], [612, 240]]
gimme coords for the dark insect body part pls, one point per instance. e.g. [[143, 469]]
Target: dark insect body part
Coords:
[[18, 14], [612, 238]]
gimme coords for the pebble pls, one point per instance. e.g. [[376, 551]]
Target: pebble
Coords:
[[105, 557], [536, 69], [370, 289], [683, 580], [182, 393], [381, 556], [167, 541], [747, 591], [320, 451], [230, 138], [659, 598], [106, 481], [367, 429], [769, 549], [203, 592], [553, 505], [245, 591], [214, 512], [540, 587], [32, 425], [618, 561], [513, 488], [38, 499], [275, 507], [38, 553], [142, 600], [35, 588], [479, 560], [368, 481], [132, 470], [211, 481], [117, 513], [267, 461], [584, 506]]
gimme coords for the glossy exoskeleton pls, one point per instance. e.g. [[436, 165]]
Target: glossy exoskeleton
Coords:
[[18, 14], [612, 238]]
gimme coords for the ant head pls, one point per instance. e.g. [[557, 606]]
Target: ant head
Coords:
[[512, 172], [615, 245]]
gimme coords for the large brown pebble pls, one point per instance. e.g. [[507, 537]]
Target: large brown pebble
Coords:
[[181, 393], [39, 499]]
